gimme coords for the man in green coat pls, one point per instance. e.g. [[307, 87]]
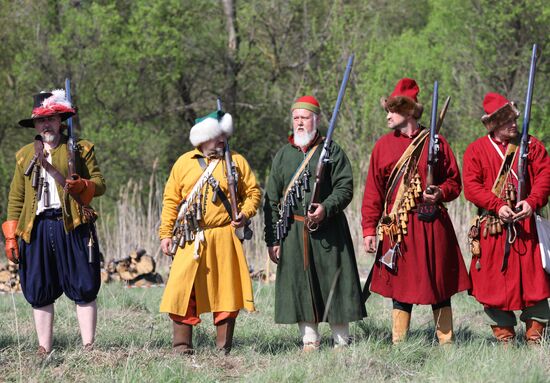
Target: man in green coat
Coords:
[[317, 277], [58, 251]]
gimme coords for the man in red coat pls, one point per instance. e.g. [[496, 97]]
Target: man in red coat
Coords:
[[418, 259], [516, 281]]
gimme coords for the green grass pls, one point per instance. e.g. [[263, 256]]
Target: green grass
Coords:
[[134, 345]]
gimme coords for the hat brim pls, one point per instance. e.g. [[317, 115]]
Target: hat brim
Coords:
[[29, 122], [402, 105], [508, 112]]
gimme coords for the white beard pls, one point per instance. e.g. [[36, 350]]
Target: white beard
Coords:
[[303, 139]]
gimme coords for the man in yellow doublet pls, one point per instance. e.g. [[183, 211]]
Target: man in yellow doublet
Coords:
[[209, 273]]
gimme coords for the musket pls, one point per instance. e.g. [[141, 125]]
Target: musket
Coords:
[[72, 149], [435, 127], [231, 180], [524, 142], [178, 231], [324, 158], [71, 143]]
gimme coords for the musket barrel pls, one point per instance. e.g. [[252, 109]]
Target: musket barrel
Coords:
[[325, 152], [524, 143], [530, 86], [341, 93], [68, 97], [433, 132]]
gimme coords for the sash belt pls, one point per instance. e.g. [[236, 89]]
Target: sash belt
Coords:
[[301, 218]]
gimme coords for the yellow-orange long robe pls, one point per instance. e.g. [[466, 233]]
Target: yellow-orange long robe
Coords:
[[220, 276]]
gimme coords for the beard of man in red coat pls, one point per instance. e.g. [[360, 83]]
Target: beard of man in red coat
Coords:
[[428, 266], [502, 280]]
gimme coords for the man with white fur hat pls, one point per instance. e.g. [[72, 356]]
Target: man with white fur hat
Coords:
[[209, 273], [46, 213]]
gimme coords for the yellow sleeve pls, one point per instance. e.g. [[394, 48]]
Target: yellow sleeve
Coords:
[[250, 193], [171, 200]]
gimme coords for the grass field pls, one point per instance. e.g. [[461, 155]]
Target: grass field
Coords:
[[134, 345]]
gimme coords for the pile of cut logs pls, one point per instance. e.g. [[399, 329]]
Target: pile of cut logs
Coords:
[[137, 270], [9, 278]]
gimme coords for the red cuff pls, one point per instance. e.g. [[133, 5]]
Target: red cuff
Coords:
[[369, 231], [88, 194]]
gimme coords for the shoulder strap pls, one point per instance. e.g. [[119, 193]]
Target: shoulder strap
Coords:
[[52, 170], [218, 191], [302, 166], [184, 205], [411, 155], [505, 167]]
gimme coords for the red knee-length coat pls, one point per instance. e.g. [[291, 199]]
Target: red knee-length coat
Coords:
[[431, 268], [524, 282]]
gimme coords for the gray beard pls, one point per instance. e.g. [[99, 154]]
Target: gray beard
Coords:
[[304, 139], [49, 137], [215, 153]]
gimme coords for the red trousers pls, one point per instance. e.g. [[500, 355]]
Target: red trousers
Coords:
[[192, 319]]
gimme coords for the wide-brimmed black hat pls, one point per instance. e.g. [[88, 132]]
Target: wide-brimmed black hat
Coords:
[[49, 104]]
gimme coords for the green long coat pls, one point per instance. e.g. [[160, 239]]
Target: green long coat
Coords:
[[301, 295]]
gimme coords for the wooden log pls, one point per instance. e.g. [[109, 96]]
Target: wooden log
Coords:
[[126, 270], [111, 267], [147, 280], [5, 276], [105, 276], [145, 265]]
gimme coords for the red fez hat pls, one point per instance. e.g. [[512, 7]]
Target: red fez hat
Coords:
[[403, 99], [406, 87], [498, 111], [307, 102]]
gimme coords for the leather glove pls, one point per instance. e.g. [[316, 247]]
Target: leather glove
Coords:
[[12, 248], [82, 187], [75, 186]]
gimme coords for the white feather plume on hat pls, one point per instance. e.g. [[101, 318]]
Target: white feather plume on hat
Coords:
[[210, 128], [57, 97]]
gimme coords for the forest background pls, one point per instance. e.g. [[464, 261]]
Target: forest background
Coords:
[[142, 71]]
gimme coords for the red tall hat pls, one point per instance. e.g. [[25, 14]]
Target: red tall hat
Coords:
[[498, 111], [403, 99]]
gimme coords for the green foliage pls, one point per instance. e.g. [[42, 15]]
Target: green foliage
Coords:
[[142, 71]]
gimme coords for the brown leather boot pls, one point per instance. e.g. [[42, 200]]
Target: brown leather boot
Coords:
[[504, 334], [443, 319], [182, 341], [224, 335], [401, 321], [534, 331]]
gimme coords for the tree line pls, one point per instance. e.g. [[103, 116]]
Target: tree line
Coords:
[[144, 70]]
